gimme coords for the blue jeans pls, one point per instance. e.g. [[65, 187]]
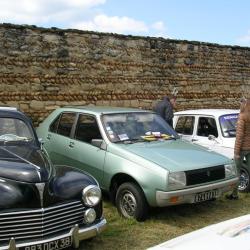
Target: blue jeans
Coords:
[[239, 163]]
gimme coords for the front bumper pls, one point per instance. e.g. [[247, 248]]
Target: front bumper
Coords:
[[76, 233], [187, 195]]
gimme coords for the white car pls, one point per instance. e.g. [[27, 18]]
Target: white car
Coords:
[[230, 235], [214, 129]]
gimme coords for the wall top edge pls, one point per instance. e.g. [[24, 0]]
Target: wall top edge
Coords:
[[62, 32]]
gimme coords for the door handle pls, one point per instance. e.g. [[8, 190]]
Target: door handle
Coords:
[[194, 140], [48, 136], [71, 144]]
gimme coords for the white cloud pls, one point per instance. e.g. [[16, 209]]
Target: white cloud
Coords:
[[43, 11], [159, 26], [78, 14], [113, 24], [160, 29], [244, 40]]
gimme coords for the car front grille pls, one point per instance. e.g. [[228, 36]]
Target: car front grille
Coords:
[[205, 175], [40, 223]]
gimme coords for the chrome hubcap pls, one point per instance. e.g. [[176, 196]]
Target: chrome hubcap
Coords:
[[128, 204], [244, 180]]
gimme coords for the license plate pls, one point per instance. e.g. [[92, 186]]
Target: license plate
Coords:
[[207, 195], [51, 245]]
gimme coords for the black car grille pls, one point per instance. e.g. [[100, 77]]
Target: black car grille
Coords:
[[204, 175], [40, 223]]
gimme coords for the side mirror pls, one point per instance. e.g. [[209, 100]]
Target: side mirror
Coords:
[[99, 143], [211, 138], [41, 142]]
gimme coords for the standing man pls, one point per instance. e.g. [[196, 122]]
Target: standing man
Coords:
[[165, 108]]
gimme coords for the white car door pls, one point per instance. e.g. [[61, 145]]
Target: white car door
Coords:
[[204, 127]]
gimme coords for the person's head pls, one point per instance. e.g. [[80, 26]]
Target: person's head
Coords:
[[245, 109], [172, 100]]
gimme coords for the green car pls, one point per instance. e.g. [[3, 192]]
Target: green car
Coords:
[[136, 157]]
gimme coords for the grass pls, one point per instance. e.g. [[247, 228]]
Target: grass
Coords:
[[163, 223]]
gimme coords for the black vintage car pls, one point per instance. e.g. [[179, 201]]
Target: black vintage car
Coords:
[[42, 207]]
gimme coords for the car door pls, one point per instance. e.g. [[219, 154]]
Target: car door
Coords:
[[185, 126], [82, 153], [205, 126], [57, 142]]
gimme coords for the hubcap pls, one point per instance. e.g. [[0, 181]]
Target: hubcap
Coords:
[[128, 204], [244, 180]]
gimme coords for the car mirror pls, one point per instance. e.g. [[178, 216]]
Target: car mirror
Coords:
[[99, 143], [211, 138], [41, 142]]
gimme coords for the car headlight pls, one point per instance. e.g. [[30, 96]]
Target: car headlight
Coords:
[[230, 170], [89, 216], [177, 179], [91, 195]]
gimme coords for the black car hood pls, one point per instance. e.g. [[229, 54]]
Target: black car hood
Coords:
[[24, 164]]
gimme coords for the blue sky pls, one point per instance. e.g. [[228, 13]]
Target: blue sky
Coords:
[[222, 21]]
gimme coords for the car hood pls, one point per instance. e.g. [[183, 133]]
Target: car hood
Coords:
[[231, 234], [24, 164], [175, 155]]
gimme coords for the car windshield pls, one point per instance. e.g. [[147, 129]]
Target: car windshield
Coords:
[[228, 125], [14, 131], [135, 126]]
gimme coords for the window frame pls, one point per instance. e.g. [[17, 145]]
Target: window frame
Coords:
[[60, 117], [208, 117], [186, 118], [75, 127]]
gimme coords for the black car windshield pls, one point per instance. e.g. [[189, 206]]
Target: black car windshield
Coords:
[[228, 125], [136, 126], [14, 130]]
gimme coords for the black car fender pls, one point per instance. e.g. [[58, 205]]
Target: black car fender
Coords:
[[16, 194], [69, 182]]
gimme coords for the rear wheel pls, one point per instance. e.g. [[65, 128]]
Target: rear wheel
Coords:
[[244, 180], [131, 202]]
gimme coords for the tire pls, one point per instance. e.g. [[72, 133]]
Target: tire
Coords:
[[130, 202], [244, 180]]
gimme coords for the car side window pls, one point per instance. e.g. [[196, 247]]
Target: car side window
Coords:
[[185, 125], [207, 126], [54, 125], [87, 129], [66, 123]]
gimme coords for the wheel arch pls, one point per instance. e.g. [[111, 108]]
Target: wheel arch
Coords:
[[119, 179]]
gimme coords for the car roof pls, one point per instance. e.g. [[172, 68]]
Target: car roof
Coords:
[[102, 109], [12, 112], [7, 108], [212, 112]]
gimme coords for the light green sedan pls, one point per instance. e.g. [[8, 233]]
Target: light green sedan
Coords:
[[136, 157]]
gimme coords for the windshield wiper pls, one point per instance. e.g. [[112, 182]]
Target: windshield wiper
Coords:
[[130, 141]]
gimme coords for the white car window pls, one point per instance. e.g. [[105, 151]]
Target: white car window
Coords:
[[207, 126], [185, 125]]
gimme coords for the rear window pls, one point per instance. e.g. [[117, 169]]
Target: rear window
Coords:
[[66, 123], [185, 125]]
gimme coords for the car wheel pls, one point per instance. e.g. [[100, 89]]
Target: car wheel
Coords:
[[131, 202], [244, 180]]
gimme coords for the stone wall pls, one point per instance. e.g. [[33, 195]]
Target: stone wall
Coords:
[[42, 69]]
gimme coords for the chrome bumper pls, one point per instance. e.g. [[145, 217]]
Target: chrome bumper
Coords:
[[187, 195], [76, 233]]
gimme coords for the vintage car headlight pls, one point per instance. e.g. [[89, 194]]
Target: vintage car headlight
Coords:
[[177, 179], [89, 216], [91, 195], [230, 170]]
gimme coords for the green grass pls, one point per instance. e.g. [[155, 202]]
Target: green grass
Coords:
[[163, 223]]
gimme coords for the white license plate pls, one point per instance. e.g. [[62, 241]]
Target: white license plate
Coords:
[[51, 245], [207, 195]]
